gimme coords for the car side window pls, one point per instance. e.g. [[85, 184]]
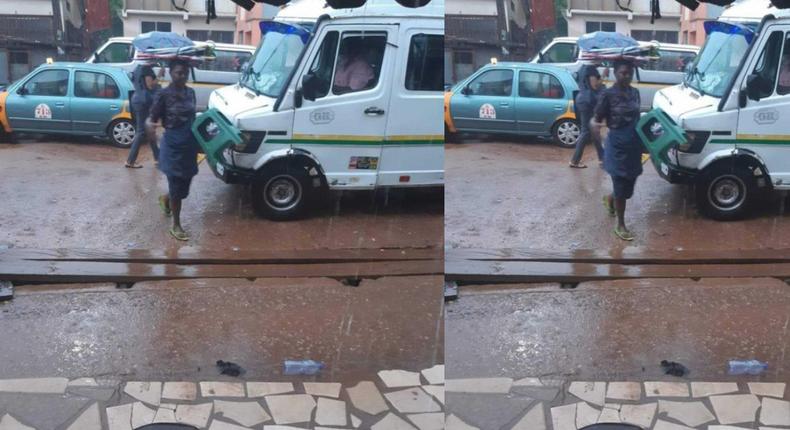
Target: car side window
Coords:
[[227, 61], [493, 83], [539, 86], [95, 86], [324, 63], [54, 83], [425, 64], [116, 53], [768, 63], [560, 53], [359, 61], [671, 61]]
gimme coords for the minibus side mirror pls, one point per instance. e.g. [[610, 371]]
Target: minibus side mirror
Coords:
[[466, 91], [310, 87], [244, 67], [22, 91], [753, 84]]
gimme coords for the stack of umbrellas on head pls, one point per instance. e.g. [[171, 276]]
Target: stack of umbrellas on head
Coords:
[[162, 46], [605, 46]]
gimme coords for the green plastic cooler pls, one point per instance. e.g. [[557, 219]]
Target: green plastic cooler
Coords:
[[658, 134], [215, 133]]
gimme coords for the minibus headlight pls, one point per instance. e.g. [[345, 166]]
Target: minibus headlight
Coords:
[[250, 141]]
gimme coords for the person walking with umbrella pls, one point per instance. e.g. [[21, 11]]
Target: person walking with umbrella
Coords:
[[619, 107], [174, 107]]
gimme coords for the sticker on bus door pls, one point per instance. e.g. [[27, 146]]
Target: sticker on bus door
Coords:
[[364, 163]]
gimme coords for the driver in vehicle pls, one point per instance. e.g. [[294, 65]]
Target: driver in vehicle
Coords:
[[784, 73], [354, 73]]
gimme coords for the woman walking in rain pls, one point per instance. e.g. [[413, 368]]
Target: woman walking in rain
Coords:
[[590, 86], [619, 107], [174, 106], [145, 87]]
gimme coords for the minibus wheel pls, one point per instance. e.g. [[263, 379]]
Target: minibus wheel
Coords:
[[281, 191], [726, 191]]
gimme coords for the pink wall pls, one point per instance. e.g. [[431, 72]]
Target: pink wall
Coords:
[[692, 31], [247, 31]]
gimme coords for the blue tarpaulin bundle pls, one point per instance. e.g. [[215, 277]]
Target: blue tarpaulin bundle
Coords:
[[161, 39], [605, 40], [164, 46], [602, 46]]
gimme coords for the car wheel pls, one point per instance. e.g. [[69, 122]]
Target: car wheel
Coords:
[[565, 132], [726, 192], [121, 133], [282, 191]]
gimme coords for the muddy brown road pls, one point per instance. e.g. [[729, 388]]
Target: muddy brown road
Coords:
[[503, 194], [77, 194], [619, 330]]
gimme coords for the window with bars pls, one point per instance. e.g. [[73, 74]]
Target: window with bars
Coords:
[[593, 26], [148, 26], [212, 35]]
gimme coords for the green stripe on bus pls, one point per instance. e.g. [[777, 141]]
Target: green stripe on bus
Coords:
[[750, 142]]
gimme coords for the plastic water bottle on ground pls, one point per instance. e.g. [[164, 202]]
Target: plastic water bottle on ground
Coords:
[[747, 367], [302, 367]]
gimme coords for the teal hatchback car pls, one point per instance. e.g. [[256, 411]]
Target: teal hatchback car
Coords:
[[516, 99], [72, 99]]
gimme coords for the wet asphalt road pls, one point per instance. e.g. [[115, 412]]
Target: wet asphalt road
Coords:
[[178, 330], [521, 193], [77, 194], [621, 330]]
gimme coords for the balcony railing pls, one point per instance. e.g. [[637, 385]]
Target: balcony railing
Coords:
[[29, 29], [224, 7], [638, 6], [153, 5]]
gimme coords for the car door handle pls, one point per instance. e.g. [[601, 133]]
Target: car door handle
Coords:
[[60, 104], [374, 111], [504, 104], [558, 107], [113, 107]]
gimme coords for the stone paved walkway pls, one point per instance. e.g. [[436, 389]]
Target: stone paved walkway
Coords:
[[541, 404], [396, 400]]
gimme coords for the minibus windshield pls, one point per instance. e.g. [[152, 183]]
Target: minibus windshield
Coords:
[[270, 67], [717, 64]]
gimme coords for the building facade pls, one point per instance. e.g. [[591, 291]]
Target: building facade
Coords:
[[247, 30], [142, 16], [585, 16], [692, 31], [478, 30], [31, 31]]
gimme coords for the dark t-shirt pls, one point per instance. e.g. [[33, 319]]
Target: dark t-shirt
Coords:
[[618, 106], [176, 108]]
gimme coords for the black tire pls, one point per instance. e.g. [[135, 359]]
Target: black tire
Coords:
[[726, 192], [121, 133], [565, 132], [449, 136], [282, 192], [6, 137]]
